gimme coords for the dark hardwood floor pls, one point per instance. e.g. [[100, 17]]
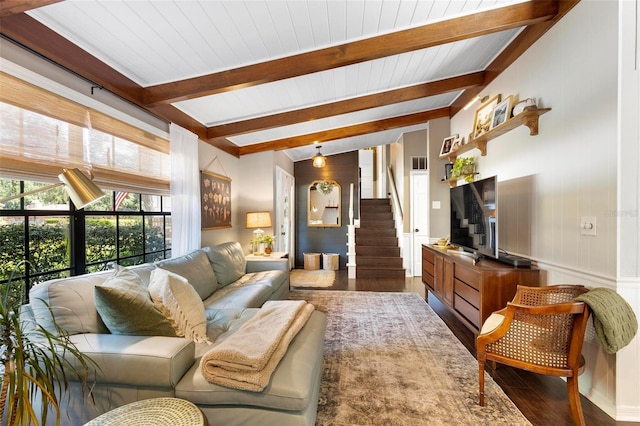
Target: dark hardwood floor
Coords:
[[542, 399]]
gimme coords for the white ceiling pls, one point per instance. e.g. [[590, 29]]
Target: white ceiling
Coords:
[[156, 42]]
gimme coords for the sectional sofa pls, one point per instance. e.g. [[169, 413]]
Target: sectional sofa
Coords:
[[136, 367]]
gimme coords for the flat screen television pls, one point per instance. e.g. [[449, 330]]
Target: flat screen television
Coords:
[[474, 217]]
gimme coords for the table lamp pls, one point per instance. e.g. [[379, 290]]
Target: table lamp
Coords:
[[257, 220]]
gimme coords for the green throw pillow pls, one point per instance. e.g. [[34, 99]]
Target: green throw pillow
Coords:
[[125, 306]]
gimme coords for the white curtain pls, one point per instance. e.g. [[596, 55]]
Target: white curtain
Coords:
[[185, 191]]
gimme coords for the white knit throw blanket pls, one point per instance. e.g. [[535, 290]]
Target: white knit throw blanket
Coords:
[[246, 359]]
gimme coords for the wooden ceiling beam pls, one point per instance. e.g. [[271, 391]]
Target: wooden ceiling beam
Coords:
[[347, 131], [395, 43], [348, 105], [513, 51]]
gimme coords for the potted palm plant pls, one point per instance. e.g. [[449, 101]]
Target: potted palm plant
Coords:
[[32, 364]]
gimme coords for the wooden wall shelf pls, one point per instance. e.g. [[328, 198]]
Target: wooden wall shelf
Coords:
[[453, 182], [529, 117]]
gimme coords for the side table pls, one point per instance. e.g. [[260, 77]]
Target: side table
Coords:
[[154, 411], [275, 255]]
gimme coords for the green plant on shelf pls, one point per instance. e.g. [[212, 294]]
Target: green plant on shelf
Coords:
[[464, 167], [268, 239]]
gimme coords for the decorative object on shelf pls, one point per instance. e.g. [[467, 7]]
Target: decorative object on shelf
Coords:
[[215, 201], [463, 167], [80, 188], [268, 244], [319, 160], [32, 362], [447, 145], [482, 119], [447, 171], [501, 112], [257, 220], [520, 106]]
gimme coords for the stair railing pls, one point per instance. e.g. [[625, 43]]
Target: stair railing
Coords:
[[396, 208], [351, 238], [395, 199]]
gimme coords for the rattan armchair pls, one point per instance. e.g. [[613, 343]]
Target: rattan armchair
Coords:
[[541, 330]]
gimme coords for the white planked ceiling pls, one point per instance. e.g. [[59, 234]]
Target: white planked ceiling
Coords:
[[155, 42]]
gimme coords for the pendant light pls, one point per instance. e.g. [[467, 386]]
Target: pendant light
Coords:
[[319, 160]]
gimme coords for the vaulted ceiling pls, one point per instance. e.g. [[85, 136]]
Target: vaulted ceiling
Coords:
[[254, 75]]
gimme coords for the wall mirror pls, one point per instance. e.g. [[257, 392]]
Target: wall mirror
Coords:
[[324, 203]]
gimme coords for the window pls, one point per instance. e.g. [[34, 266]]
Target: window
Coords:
[[59, 241], [40, 134]]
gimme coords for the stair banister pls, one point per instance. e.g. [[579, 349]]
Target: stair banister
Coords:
[[351, 238], [396, 207], [395, 199]]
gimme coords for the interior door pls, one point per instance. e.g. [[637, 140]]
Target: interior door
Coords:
[[284, 208], [419, 217]]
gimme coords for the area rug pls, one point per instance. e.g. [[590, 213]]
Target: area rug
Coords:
[[390, 360], [307, 278]]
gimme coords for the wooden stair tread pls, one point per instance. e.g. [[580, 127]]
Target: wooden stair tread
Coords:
[[377, 250]]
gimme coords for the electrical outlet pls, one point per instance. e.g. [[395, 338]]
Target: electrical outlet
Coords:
[[588, 225], [435, 205]]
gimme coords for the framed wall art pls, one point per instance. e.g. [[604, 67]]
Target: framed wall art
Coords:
[[482, 119], [501, 112], [215, 199]]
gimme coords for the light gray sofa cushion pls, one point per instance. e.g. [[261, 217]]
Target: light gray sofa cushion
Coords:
[[146, 361], [228, 262], [195, 267], [71, 301], [293, 383]]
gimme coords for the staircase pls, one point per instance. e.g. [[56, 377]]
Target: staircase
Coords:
[[377, 251]]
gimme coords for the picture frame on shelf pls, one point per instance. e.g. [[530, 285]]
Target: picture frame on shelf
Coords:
[[501, 112], [457, 142], [482, 119], [447, 171], [447, 145]]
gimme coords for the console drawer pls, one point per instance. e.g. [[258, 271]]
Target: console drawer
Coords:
[[428, 267], [470, 294], [428, 280], [428, 256], [467, 310], [469, 276]]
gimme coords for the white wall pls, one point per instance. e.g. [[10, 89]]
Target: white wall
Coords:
[[414, 145], [252, 189], [573, 164], [438, 191], [628, 388]]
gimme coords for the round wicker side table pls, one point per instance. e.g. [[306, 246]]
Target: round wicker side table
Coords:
[[154, 411]]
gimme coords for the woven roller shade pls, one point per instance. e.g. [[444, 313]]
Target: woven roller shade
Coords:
[[43, 132]]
